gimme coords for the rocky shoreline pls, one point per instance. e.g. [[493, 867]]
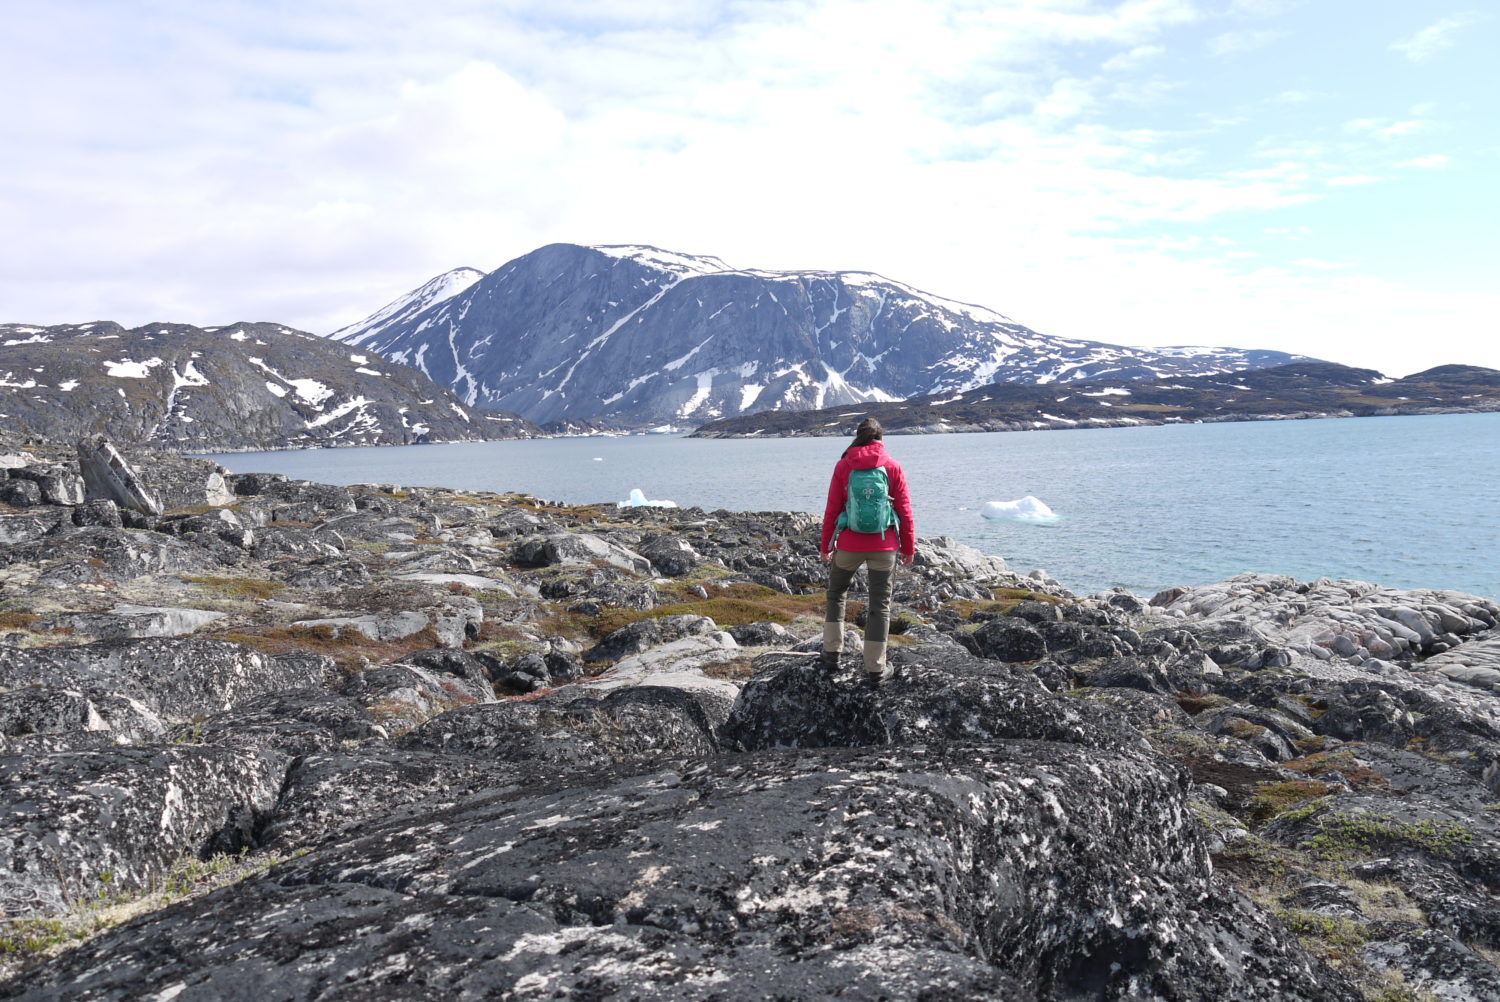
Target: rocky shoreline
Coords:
[[1295, 392], [1065, 424], [294, 741]]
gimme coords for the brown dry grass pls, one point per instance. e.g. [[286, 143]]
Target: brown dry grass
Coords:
[[349, 648], [256, 588], [727, 605]]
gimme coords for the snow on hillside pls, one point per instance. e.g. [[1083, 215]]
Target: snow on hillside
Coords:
[[438, 290], [574, 333]]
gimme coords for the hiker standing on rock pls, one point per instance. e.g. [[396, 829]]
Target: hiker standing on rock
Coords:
[[867, 521]]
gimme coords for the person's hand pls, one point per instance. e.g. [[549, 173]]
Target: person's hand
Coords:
[[907, 558], [827, 556]]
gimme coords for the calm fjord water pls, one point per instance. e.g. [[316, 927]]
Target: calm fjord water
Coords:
[[1403, 501]]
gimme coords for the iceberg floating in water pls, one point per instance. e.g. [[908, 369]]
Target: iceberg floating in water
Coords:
[[1027, 509], [638, 499]]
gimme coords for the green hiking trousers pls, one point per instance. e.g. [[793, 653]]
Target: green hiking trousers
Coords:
[[882, 570]]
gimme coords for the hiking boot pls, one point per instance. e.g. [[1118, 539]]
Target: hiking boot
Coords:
[[829, 661], [880, 677]]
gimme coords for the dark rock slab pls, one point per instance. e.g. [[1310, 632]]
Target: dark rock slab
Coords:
[[646, 633], [670, 555], [580, 731], [293, 722], [326, 793], [43, 709], [940, 692], [27, 528], [176, 678], [100, 554], [20, 493], [70, 818], [1013, 871], [99, 512], [401, 696], [108, 476]]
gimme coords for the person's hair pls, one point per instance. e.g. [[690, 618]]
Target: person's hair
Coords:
[[869, 430]]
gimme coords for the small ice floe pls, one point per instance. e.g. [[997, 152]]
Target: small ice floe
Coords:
[[1026, 509], [598, 459], [638, 499]]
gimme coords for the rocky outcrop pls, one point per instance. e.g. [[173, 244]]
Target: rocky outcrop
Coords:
[[624, 771], [77, 820], [1353, 621]]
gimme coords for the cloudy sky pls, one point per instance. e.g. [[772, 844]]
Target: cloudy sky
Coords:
[[1310, 175]]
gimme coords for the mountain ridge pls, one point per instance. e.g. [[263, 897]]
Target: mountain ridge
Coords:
[[638, 336], [240, 387]]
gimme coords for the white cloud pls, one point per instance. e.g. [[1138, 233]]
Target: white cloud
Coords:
[[1383, 128], [1318, 264], [1436, 37], [1431, 160], [1300, 96], [310, 167], [1349, 180], [1133, 58], [1242, 41]]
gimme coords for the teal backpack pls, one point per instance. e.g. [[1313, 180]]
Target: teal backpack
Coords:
[[867, 507]]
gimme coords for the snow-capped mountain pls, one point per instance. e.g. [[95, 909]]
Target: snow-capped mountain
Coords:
[[641, 336], [440, 289], [245, 386]]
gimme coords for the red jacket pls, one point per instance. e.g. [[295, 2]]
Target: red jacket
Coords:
[[867, 457]]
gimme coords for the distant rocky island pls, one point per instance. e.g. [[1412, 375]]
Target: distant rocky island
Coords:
[[272, 739], [1283, 392]]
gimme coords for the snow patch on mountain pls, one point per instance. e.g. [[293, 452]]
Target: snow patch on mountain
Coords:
[[637, 335], [439, 290], [126, 369]]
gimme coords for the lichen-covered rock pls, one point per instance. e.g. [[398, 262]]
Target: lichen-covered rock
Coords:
[[1350, 620], [401, 696], [26, 528], [670, 555], [20, 493], [278, 541], [1437, 965], [955, 872], [99, 512], [176, 678], [57, 484], [330, 572], [1007, 639], [572, 548], [44, 709], [129, 621], [71, 820], [580, 731], [688, 663], [322, 499], [645, 633], [100, 554], [944, 553], [326, 793], [293, 722], [940, 693], [452, 621]]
